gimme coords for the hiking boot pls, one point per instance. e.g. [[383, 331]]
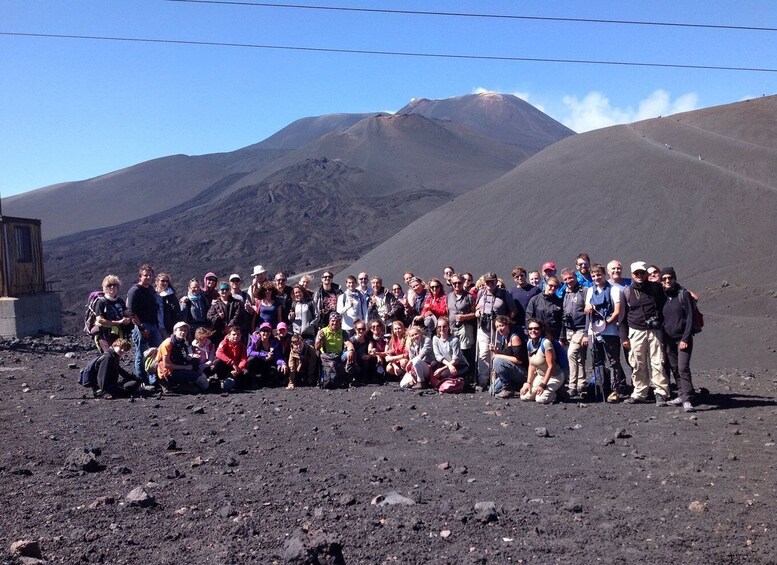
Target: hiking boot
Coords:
[[677, 401], [149, 387], [419, 386], [688, 407], [632, 400], [505, 393], [613, 398], [660, 401], [573, 393]]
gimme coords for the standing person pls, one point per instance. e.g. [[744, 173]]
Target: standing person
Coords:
[[654, 274], [678, 336], [194, 306], [461, 312], [435, 305], [303, 315], [305, 281], [283, 294], [469, 281], [603, 304], [447, 273], [169, 309], [258, 278], [351, 305], [535, 279], [522, 292], [583, 270], [325, 298], [112, 317], [547, 308], [491, 302], [640, 324], [548, 271], [545, 376], [363, 285], [267, 307], [510, 359], [141, 300], [224, 313], [210, 283], [573, 334], [381, 303], [246, 301], [615, 270], [416, 295]]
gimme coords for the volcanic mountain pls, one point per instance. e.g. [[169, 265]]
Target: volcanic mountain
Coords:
[[696, 190], [396, 153]]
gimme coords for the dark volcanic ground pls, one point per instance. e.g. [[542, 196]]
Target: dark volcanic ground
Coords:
[[260, 477]]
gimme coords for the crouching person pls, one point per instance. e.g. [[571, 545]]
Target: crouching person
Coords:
[[177, 364], [107, 377], [421, 357], [231, 360], [509, 360], [546, 374], [303, 363], [338, 357]]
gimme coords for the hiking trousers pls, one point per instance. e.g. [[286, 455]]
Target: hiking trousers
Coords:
[[680, 364], [647, 359]]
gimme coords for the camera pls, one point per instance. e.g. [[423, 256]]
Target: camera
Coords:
[[653, 323], [485, 322]]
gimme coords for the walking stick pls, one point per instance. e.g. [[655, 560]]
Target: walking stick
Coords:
[[491, 343]]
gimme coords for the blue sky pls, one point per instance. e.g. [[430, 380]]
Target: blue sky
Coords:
[[74, 109]]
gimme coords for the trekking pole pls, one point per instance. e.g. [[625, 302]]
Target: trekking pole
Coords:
[[491, 343]]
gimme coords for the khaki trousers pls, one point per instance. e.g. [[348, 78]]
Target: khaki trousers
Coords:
[[647, 359]]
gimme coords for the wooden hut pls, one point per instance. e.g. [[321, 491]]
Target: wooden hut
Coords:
[[27, 305]]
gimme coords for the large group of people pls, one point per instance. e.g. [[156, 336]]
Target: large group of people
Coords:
[[531, 339]]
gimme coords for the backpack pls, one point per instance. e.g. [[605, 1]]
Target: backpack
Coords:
[[90, 315], [452, 385], [561, 354], [698, 317], [88, 375]]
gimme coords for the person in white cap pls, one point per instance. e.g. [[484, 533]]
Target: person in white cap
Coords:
[[258, 277], [640, 329]]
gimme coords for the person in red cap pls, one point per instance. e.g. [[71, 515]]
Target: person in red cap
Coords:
[[548, 271]]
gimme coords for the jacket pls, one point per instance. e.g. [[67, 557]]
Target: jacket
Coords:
[[546, 308], [678, 314], [641, 304]]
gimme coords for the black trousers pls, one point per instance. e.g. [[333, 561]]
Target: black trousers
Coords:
[[679, 361], [611, 347]]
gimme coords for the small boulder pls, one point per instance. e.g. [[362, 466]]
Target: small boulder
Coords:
[[26, 548], [542, 432], [139, 497], [390, 499], [697, 506]]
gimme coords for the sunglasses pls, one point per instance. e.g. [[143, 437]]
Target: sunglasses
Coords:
[[280, 280], [265, 330], [363, 279], [533, 329], [326, 277], [667, 278], [112, 285], [433, 286], [456, 282], [167, 281], [360, 329]]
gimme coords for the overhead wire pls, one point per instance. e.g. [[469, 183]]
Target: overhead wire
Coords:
[[386, 53], [475, 15]]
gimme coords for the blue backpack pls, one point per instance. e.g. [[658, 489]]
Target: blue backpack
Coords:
[[88, 375], [561, 354]]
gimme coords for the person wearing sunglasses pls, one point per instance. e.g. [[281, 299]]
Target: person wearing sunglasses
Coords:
[[396, 351], [546, 374], [265, 364], [283, 294], [461, 312], [141, 300], [678, 337], [381, 304], [112, 319], [223, 313], [435, 305], [325, 298]]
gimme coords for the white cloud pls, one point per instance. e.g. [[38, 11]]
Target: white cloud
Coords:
[[481, 90], [595, 110]]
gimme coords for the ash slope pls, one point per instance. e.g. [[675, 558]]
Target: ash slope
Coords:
[[393, 164], [696, 190]]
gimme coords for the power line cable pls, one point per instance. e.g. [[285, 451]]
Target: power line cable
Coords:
[[388, 53], [474, 15]]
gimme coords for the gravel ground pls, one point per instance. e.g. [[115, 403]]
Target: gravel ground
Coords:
[[379, 475]]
